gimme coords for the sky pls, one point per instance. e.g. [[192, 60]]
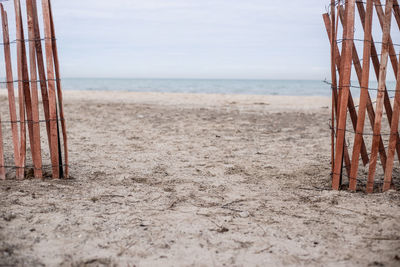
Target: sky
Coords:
[[227, 39]]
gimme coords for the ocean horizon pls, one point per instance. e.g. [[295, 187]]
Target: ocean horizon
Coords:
[[210, 86], [207, 86]]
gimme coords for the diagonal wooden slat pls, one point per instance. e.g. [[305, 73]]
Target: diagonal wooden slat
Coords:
[[396, 12], [371, 112], [376, 65], [346, 157], [333, 38], [393, 136], [352, 111], [344, 83], [393, 60], [380, 97], [334, 90], [365, 98]]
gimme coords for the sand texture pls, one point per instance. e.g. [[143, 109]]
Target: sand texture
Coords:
[[195, 180]]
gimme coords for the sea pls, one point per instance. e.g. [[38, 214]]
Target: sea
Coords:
[[208, 86], [214, 86]]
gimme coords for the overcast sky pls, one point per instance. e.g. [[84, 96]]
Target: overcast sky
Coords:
[[192, 38]]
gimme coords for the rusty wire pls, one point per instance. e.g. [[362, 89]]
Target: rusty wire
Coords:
[[359, 87], [338, 41], [28, 40], [364, 134], [27, 167], [32, 121], [30, 81]]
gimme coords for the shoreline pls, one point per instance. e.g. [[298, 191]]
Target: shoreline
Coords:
[[200, 99], [247, 101]]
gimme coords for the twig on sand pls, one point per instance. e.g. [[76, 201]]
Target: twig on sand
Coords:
[[264, 250], [220, 229], [174, 202], [312, 189], [227, 205], [383, 238], [128, 246]]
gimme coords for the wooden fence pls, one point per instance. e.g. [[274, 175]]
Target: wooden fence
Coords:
[[350, 139], [37, 69]]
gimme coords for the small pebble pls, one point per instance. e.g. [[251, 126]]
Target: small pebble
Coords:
[[244, 214]]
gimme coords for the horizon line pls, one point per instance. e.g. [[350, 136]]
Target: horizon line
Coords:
[[175, 78], [204, 79]]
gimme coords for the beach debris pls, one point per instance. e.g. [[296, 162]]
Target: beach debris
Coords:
[[383, 139], [9, 217], [34, 73]]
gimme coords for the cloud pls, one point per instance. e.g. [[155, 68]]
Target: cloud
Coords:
[[224, 38]]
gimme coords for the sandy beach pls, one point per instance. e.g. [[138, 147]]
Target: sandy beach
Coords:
[[163, 179]]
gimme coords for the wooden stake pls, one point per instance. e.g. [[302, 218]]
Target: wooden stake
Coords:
[[10, 88], [345, 148], [41, 69], [21, 89], [334, 90], [59, 93], [334, 82], [393, 60], [35, 98], [337, 95], [352, 109], [393, 136], [376, 64], [52, 93], [380, 98], [25, 81], [363, 96], [27, 90], [344, 84]]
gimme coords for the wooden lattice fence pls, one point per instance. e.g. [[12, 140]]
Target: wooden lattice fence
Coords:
[[37, 69], [350, 139]]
